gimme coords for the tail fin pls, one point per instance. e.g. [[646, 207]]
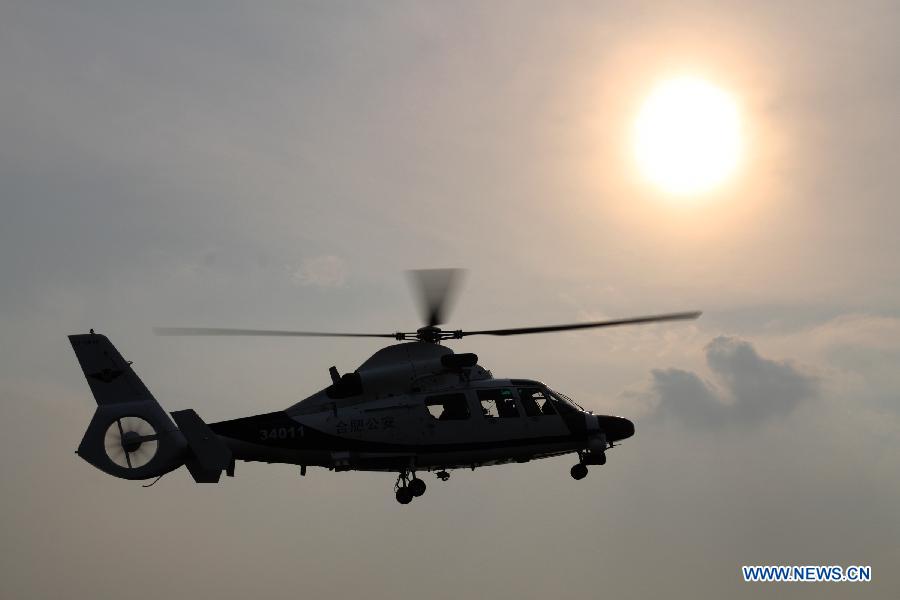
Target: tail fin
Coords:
[[130, 436], [110, 376]]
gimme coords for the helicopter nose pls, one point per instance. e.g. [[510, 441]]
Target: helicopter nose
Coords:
[[615, 428]]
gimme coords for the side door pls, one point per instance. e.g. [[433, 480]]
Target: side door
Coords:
[[501, 414]]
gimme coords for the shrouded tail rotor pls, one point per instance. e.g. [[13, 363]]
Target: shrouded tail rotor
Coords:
[[131, 442]]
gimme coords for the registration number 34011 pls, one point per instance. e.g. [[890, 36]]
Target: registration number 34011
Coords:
[[281, 433]]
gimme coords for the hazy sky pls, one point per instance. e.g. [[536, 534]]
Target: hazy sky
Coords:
[[279, 165]]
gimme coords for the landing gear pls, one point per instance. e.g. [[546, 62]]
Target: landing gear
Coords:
[[416, 487], [585, 458], [579, 471], [442, 475], [404, 495], [594, 458], [408, 486]]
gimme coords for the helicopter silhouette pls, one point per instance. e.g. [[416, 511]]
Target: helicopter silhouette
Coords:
[[414, 406]]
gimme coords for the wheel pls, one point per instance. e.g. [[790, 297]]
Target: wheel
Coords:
[[601, 460], [579, 471], [417, 487], [404, 496]]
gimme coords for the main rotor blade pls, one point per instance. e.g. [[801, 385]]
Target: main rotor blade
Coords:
[[437, 290], [261, 332], [683, 316]]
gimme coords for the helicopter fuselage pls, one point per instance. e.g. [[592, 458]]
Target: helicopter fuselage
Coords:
[[409, 408], [401, 432], [448, 417]]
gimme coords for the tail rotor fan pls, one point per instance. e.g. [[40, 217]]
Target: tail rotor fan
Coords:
[[131, 442]]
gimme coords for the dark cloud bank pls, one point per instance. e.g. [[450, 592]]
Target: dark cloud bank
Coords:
[[748, 388]]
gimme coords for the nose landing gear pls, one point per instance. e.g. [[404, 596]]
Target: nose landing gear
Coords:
[[594, 458], [579, 471]]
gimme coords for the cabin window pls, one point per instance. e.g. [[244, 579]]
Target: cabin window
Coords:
[[564, 404], [535, 402], [498, 403], [448, 407]]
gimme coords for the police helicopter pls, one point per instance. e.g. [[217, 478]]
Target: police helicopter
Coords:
[[412, 407]]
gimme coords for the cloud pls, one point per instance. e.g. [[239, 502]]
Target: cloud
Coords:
[[747, 390], [321, 271]]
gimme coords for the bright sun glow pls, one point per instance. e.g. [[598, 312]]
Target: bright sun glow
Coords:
[[687, 137]]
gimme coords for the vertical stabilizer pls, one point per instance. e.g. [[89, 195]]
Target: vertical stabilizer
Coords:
[[110, 376]]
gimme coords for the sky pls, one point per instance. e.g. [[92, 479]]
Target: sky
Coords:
[[281, 164]]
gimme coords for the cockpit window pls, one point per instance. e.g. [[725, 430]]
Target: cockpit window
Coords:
[[535, 402], [448, 407], [498, 403], [563, 403]]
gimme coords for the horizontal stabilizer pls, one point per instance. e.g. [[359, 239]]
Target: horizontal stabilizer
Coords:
[[209, 454]]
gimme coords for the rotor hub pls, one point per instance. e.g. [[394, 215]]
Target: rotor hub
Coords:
[[429, 333], [131, 441]]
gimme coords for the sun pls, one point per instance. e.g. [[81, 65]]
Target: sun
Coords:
[[687, 136]]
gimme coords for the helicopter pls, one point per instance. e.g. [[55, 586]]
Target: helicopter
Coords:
[[412, 407]]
